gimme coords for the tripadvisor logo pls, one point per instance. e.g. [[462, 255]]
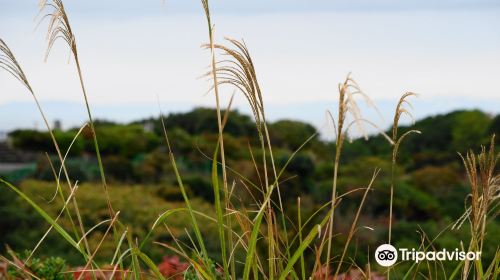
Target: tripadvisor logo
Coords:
[[387, 255]]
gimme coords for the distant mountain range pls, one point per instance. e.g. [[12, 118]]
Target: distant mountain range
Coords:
[[25, 114]]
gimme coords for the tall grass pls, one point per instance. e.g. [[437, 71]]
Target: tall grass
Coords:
[[240, 72], [396, 140], [483, 203], [347, 107], [9, 63], [59, 28], [220, 212], [243, 229]]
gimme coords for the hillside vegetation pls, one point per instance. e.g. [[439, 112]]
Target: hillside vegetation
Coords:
[[429, 197]]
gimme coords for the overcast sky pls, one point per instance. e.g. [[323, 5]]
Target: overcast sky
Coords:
[[448, 51]]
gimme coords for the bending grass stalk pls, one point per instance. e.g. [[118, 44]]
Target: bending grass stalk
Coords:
[[9, 63], [47, 217], [75, 203], [158, 221], [117, 251], [59, 27]]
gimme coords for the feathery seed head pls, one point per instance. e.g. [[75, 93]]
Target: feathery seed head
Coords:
[[401, 110], [9, 63], [239, 71], [348, 106], [59, 26], [485, 189]]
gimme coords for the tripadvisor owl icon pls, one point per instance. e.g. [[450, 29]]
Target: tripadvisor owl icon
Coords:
[[386, 255]]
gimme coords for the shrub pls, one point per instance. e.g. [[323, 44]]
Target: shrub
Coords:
[[52, 268]]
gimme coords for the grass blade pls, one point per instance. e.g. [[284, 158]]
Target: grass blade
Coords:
[[218, 209], [150, 264], [251, 245], [303, 246], [46, 216]]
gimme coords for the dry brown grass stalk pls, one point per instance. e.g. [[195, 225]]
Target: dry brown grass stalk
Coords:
[[347, 107], [396, 141]]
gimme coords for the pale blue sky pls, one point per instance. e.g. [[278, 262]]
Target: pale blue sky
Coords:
[[131, 51], [149, 7]]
